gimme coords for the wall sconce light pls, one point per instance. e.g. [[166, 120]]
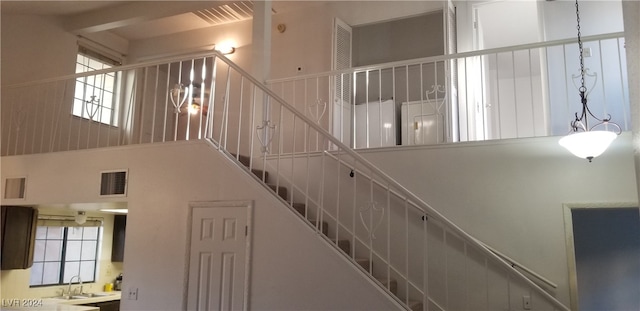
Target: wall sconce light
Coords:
[[584, 142], [225, 50], [196, 105], [81, 217], [194, 108]]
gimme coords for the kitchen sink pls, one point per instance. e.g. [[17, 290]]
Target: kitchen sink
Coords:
[[84, 296], [67, 297], [91, 295]]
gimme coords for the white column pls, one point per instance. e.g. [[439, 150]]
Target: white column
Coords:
[[631, 16], [261, 41], [261, 65]]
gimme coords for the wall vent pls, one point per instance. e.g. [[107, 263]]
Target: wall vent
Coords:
[[113, 183], [14, 188]]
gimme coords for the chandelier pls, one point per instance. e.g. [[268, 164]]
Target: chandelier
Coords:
[[584, 141]]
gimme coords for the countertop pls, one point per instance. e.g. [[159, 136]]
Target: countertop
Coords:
[[52, 307], [57, 304], [110, 296]]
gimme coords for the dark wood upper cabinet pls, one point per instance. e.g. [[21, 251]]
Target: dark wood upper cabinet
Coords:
[[19, 225], [119, 229]]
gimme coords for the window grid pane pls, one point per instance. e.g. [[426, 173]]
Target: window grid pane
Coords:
[[53, 250], [71, 269], [79, 246], [94, 94]]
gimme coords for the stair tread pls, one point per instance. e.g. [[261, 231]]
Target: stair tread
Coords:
[[260, 174], [300, 208], [282, 191], [364, 263], [415, 305], [323, 224], [385, 280], [390, 284], [344, 245], [245, 160]]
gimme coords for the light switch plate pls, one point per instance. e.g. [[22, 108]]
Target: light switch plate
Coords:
[[133, 294], [526, 302]]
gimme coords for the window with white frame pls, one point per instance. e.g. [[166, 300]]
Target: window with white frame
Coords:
[[94, 97], [62, 253]]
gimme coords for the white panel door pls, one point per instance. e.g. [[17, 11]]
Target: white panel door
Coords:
[[218, 258]]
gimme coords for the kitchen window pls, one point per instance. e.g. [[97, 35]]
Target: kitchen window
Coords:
[[61, 253], [94, 96]]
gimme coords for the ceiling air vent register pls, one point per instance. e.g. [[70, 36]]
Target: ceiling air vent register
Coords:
[[228, 13], [113, 183]]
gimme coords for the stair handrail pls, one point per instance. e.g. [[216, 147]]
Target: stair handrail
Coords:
[[513, 263], [421, 205], [516, 264]]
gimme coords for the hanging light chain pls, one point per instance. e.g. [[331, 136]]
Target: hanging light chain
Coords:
[[582, 87], [581, 121]]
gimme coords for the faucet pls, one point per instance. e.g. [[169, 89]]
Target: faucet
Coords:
[[71, 280]]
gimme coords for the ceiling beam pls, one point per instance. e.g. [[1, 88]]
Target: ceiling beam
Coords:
[[132, 13]]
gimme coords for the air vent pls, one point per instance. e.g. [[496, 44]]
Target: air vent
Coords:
[[14, 188], [113, 183], [228, 13]]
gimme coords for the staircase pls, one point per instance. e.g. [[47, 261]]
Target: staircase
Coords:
[[344, 245], [417, 262]]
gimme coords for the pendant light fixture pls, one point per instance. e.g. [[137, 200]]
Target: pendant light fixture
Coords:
[[584, 141], [81, 217]]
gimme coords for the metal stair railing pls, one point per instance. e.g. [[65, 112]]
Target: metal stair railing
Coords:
[[413, 251]]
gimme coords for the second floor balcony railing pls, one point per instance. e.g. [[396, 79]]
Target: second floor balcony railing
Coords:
[[515, 92]]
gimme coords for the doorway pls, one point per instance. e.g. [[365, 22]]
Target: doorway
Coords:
[[604, 257], [219, 252]]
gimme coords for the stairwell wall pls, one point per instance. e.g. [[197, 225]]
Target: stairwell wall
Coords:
[[510, 194], [291, 268]]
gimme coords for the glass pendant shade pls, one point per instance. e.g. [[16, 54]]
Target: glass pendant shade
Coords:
[[81, 217], [588, 145]]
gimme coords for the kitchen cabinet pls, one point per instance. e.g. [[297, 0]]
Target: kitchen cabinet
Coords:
[[19, 225], [119, 230], [113, 305]]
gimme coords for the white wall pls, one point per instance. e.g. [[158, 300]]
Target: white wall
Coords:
[[510, 194], [291, 268], [365, 12], [596, 17], [35, 48], [558, 20], [306, 42]]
